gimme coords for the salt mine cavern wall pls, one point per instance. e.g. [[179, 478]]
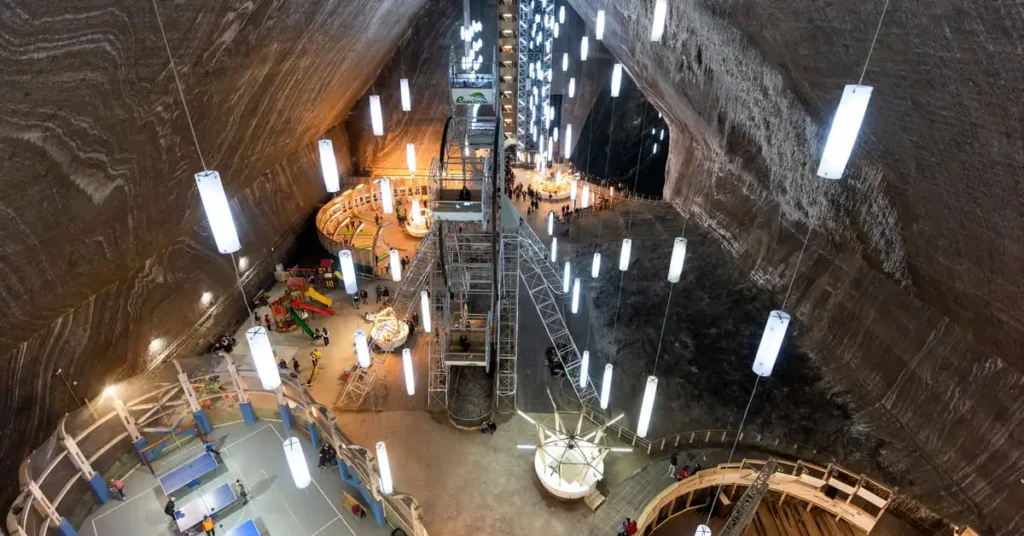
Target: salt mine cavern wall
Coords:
[[106, 249], [910, 281]]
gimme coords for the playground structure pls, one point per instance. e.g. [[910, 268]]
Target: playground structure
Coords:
[[291, 310]]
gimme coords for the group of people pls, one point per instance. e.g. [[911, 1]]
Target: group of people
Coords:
[[488, 427], [685, 472], [327, 456], [322, 335], [383, 294], [629, 527], [360, 296], [209, 522]]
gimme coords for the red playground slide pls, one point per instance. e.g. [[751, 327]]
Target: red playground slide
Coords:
[[299, 305]]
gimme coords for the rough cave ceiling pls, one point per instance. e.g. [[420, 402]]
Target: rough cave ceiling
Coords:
[[911, 276]]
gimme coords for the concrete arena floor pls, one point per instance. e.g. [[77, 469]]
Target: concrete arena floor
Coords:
[[254, 455]]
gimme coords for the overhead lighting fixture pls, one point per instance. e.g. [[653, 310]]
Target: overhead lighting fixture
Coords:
[[661, 136], [584, 368], [561, 14], [655, 149], [387, 487], [410, 157], [406, 95], [565, 61], [843, 134], [568, 140], [329, 166], [627, 246], [606, 386], [263, 357], [572, 191], [348, 271], [297, 462], [584, 48], [387, 200], [376, 115], [556, 30], [218, 212], [576, 296], [554, 248], [599, 26], [616, 79], [675, 265], [362, 348], [565, 277], [410, 381], [551, 223], [425, 310], [572, 87], [595, 266], [702, 530], [658, 24], [396, 266], [586, 195], [555, 134], [771, 342], [647, 406]]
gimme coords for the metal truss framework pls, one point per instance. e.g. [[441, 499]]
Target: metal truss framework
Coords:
[[508, 324], [532, 50], [746, 507]]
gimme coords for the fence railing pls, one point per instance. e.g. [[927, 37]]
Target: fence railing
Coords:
[[53, 478]]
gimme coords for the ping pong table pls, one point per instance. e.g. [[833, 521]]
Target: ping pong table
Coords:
[[185, 473], [245, 529], [207, 504]]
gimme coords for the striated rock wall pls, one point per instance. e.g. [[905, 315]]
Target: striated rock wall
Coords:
[[905, 288], [106, 253]]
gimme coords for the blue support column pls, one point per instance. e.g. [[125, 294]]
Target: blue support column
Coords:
[[286, 415], [352, 479], [314, 434], [99, 488], [141, 444], [247, 412], [202, 421], [65, 528]]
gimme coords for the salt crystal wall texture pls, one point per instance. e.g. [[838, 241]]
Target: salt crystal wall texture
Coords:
[[105, 247], [910, 283]]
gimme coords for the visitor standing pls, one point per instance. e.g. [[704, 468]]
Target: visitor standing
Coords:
[[169, 509], [208, 525], [266, 319], [327, 339], [317, 336], [355, 301], [379, 290], [242, 492], [295, 365], [364, 296], [672, 461], [386, 295], [117, 487]]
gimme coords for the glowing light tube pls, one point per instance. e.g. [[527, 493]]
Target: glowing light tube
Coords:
[[263, 357], [406, 95], [218, 213], [843, 134], [565, 61], [425, 310], [415, 212], [410, 157], [297, 462], [410, 381], [551, 223], [387, 201], [584, 48], [387, 487], [606, 386], [554, 248], [565, 277], [568, 140], [329, 166], [376, 115], [586, 195], [627, 247], [572, 87], [348, 271], [702, 530], [771, 342], [675, 265], [396, 266], [616, 79], [595, 266], [599, 26], [647, 406], [561, 14], [661, 135], [584, 368], [655, 150], [576, 296], [362, 348], [572, 192], [658, 24]]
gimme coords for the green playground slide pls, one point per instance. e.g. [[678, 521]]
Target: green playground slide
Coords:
[[300, 322]]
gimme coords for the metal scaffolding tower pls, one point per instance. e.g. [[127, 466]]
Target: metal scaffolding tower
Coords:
[[746, 507], [508, 333], [509, 66]]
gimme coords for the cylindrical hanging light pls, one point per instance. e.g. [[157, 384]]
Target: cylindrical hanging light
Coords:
[[551, 223], [410, 381], [348, 271], [410, 157], [406, 95], [565, 61], [595, 266], [702, 530], [362, 348], [263, 357], [599, 26], [661, 135], [568, 140], [425, 310], [565, 277], [572, 87], [396, 266], [329, 166], [647, 406], [555, 134], [572, 191], [387, 202], [561, 14], [386, 485], [606, 386], [843, 134], [554, 248], [297, 462], [616, 79], [658, 23], [576, 296], [675, 265], [556, 30], [627, 246], [655, 150], [376, 115], [584, 368], [584, 48], [586, 195], [771, 342], [218, 212]]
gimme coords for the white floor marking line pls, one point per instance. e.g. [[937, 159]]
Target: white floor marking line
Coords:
[[124, 502], [94, 531], [329, 523], [333, 507], [247, 436], [276, 432]]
